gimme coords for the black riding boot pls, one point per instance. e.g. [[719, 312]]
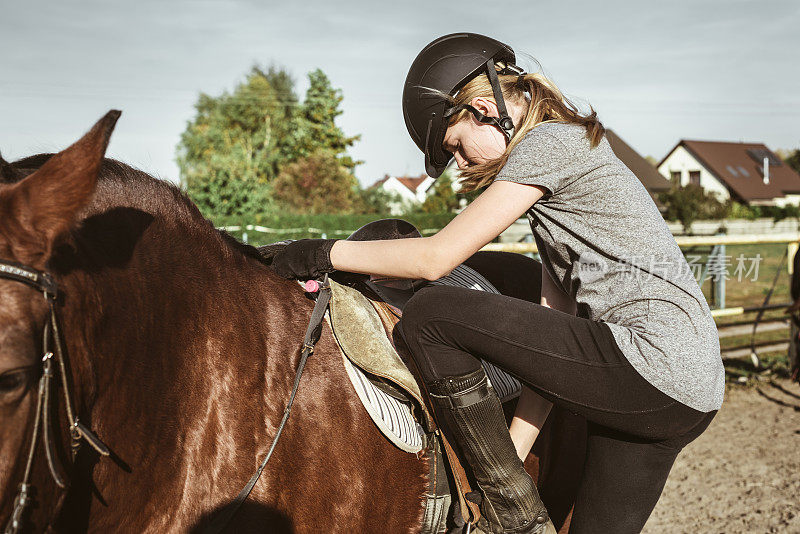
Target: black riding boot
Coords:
[[471, 417]]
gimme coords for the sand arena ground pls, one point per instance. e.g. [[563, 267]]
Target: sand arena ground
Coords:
[[743, 473]]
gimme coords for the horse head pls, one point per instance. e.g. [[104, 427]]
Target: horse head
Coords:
[[168, 327], [37, 212]]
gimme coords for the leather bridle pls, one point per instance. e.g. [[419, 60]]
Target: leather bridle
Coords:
[[45, 283]]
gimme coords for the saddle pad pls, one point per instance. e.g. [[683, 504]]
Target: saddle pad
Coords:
[[362, 338], [506, 386], [392, 417]]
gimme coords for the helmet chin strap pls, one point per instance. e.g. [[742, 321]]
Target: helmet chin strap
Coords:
[[503, 122]]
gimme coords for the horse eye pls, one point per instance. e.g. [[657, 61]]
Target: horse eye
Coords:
[[13, 380]]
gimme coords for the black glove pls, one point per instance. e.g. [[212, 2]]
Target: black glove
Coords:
[[302, 259], [268, 252]]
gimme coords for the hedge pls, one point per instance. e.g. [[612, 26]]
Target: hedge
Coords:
[[295, 226]]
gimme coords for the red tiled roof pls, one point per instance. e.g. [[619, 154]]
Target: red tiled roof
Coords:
[[411, 183], [643, 169], [379, 182], [742, 174]]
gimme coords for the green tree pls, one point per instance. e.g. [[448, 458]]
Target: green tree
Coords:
[[790, 157], [234, 146], [442, 199], [238, 143], [316, 122], [690, 203], [318, 183], [377, 200]]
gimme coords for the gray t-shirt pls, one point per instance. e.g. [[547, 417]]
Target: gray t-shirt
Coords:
[[603, 241]]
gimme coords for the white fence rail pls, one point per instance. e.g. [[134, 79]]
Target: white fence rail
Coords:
[[310, 230]]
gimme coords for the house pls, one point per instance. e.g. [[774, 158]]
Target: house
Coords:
[[749, 173], [411, 190], [643, 169]]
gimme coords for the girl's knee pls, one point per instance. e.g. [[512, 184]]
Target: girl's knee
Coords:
[[424, 305]]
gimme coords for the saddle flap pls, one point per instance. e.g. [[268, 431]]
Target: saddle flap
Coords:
[[360, 334]]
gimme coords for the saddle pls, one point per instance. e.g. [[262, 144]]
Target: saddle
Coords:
[[362, 314], [363, 322]]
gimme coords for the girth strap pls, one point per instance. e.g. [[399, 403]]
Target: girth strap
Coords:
[[470, 511], [313, 333]]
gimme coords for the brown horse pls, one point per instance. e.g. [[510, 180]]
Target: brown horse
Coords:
[[182, 348]]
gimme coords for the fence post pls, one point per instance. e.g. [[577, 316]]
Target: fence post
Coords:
[[710, 266], [793, 245], [719, 297]]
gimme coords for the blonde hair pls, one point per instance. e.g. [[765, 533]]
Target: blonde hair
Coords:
[[546, 104]]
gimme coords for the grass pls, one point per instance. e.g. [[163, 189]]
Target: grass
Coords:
[[749, 289], [741, 290], [743, 372]]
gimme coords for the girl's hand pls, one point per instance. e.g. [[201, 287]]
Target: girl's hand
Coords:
[[268, 252], [302, 259]]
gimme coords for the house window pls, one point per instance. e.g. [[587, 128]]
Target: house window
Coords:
[[694, 177], [675, 177]]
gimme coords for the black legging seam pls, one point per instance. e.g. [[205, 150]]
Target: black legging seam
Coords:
[[589, 406], [522, 346]]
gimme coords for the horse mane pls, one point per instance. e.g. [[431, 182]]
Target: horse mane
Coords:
[[121, 186]]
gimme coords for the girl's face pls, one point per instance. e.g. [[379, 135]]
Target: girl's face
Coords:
[[472, 142]]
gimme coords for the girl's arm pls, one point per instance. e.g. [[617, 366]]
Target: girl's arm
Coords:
[[494, 210], [533, 409]]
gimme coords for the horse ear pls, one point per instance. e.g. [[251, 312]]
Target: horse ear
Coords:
[[6, 172], [43, 207]]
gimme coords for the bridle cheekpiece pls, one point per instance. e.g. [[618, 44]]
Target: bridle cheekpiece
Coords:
[[44, 282]]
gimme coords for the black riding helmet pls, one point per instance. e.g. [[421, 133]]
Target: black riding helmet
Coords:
[[446, 65]]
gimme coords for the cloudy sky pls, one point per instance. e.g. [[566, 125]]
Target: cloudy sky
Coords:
[[655, 72]]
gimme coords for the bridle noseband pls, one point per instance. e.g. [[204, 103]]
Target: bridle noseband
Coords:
[[45, 283]]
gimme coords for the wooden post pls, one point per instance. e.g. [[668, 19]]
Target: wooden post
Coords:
[[793, 330], [719, 283], [792, 250]]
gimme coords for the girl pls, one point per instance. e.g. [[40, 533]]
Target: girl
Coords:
[[623, 335]]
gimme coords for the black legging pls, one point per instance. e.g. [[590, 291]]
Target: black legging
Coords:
[[635, 430]]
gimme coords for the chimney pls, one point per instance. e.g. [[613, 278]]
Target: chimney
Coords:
[[766, 171]]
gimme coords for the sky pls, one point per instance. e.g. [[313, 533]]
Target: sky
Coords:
[[655, 72]]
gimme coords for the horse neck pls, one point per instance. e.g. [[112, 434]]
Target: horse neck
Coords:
[[141, 315]]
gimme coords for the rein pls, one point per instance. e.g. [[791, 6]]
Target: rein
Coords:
[[45, 283], [313, 333]]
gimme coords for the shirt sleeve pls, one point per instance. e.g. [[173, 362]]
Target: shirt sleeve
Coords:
[[540, 158]]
